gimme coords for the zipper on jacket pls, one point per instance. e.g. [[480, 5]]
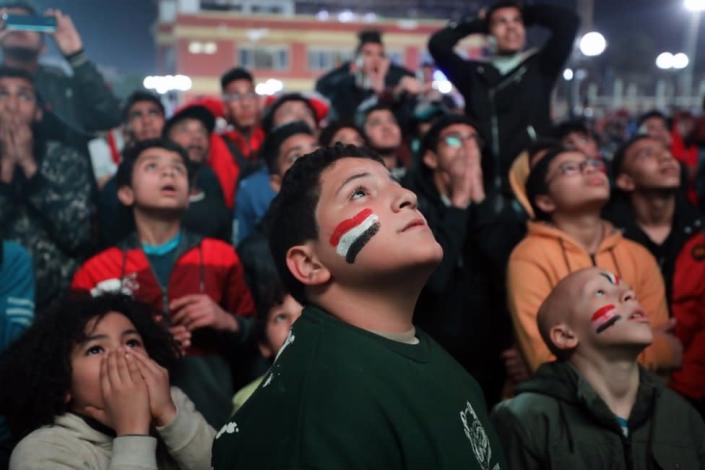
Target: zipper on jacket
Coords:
[[494, 121], [627, 451]]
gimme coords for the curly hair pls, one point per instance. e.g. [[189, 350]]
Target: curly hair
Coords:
[[36, 369]]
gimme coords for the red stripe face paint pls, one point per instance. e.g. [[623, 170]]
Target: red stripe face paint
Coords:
[[352, 234], [604, 317]]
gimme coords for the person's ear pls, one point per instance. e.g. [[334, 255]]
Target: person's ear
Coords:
[[126, 195], [545, 203], [625, 182], [430, 159], [67, 398], [38, 114], [305, 266], [563, 337]]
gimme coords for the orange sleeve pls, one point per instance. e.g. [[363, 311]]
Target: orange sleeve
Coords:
[[528, 285], [651, 292]]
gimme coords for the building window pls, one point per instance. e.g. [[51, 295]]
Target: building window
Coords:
[[325, 59], [264, 57]]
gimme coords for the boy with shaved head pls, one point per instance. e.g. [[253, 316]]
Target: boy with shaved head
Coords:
[[595, 405]]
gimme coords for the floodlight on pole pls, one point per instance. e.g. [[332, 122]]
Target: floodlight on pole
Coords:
[[694, 5], [664, 61], [680, 61], [592, 44]]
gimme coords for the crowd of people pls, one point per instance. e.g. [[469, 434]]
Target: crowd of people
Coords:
[[364, 275]]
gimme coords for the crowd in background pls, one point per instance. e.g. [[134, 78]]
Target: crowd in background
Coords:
[[100, 197]]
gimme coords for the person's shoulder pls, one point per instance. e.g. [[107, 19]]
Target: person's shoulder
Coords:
[[679, 411], [49, 446], [15, 256], [529, 410], [218, 251]]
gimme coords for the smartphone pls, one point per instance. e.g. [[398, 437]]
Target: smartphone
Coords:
[[41, 24]]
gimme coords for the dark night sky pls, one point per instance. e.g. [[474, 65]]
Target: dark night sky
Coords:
[[118, 33]]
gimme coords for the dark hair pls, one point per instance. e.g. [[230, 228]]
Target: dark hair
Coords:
[[236, 73], [570, 126], [133, 152], [268, 119], [12, 72], [370, 106], [651, 114], [36, 369], [498, 5], [540, 145], [621, 153], [292, 214], [368, 36], [274, 140], [430, 140], [536, 182], [138, 96], [325, 139]]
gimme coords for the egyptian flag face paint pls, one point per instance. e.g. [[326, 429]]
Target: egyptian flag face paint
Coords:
[[604, 317], [612, 278], [351, 235]]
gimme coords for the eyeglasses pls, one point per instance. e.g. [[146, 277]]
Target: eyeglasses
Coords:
[[457, 140], [237, 97], [572, 168]]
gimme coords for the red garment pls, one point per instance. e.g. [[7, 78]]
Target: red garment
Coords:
[[225, 164], [688, 307], [247, 146], [688, 156], [206, 266]]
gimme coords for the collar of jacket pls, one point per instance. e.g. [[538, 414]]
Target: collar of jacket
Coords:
[[546, 230], [188, 241], [560, 380]]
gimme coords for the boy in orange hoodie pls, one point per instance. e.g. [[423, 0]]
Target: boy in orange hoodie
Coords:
[[567, 191]]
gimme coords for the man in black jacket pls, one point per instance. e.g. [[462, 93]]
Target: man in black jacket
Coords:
[[508, 94], [370, 74], [462, 304], [82, 102]]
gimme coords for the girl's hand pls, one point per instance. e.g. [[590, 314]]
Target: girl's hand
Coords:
[[161, 406], [125, 396]]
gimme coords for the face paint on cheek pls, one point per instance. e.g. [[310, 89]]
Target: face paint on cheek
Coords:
[[604, 317], [351, 235]]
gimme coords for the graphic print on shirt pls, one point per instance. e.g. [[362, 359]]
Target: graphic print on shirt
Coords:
[[477, 436], [351, 235], [274, 370], [128, 285], [228, 428]]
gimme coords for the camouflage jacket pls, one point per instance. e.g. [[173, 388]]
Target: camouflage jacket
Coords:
[[50, 214]]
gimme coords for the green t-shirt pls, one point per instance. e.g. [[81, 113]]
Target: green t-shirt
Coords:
[[339, 397]]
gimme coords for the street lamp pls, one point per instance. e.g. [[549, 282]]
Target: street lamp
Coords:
[[592, 44], [691, 41], [568, 74], [694, 5]]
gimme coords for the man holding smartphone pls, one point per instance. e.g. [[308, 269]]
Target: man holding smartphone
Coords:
[[82, 102]]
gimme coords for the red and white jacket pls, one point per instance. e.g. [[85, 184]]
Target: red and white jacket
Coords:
[[202, 266]]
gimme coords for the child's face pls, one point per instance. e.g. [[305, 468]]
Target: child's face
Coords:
[[279, 321], [112, 331], [575, 180], [159, 181], [368, 224], [608, 313]]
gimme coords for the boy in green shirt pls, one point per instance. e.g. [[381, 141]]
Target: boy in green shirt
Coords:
[[355, 385]]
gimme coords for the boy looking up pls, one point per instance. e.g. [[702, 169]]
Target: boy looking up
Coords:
[[595, 405], [355, 384], [567, 191]]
